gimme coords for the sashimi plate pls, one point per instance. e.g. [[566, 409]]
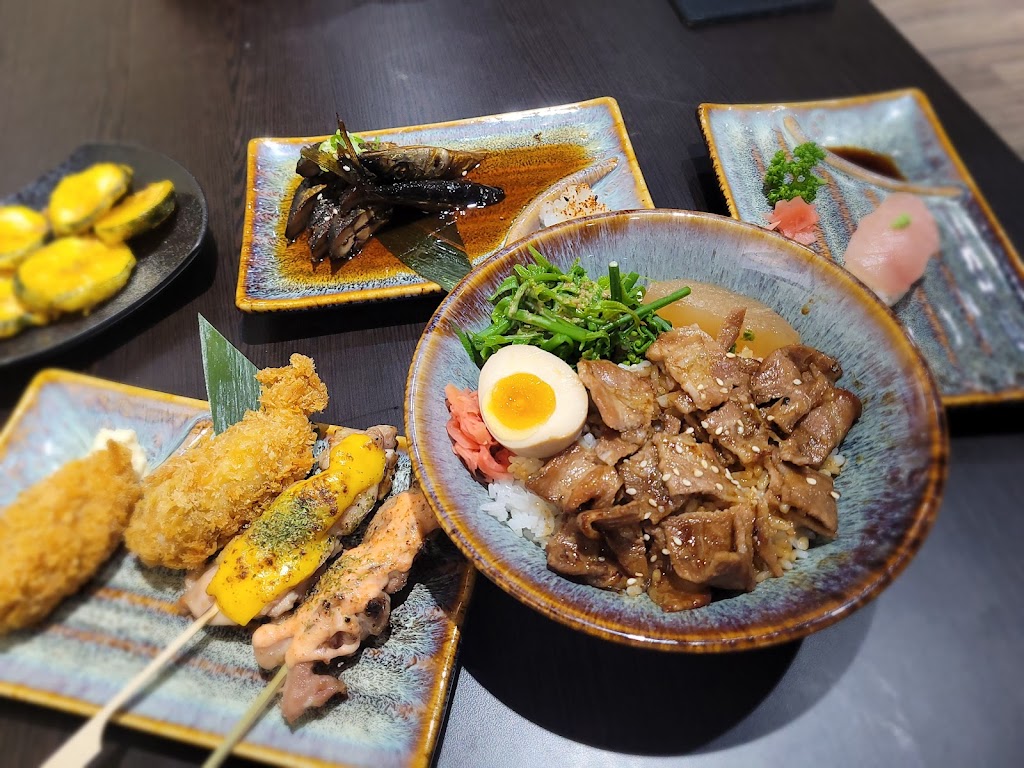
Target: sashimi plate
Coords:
[[967, 313], [530, 152], [99, 639]]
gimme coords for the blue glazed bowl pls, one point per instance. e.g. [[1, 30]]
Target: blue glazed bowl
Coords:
[[897, 451]]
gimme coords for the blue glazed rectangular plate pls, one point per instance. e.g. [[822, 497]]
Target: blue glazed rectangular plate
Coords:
[[526, 147], [967, 313], [99, 639]]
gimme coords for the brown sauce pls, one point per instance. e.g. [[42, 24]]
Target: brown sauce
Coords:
[[523, 172], [870, 160]]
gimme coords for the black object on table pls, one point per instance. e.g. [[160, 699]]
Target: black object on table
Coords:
[[931, 674], [696, 12]]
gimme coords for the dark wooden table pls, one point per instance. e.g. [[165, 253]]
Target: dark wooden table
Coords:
[[929, 675]]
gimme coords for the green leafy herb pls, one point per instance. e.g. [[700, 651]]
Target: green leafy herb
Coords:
[[901, 222], [785, 179], [748, 335], [571, 315]]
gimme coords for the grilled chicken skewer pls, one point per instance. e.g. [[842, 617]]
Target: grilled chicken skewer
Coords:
[[351, 602]]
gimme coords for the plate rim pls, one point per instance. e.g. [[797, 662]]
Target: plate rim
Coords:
[[194, 249], [704, 110], [513, 583], [438, 700], [250, 304]]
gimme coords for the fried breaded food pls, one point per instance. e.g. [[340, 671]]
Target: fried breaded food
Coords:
[[196, 501], [58, 532]]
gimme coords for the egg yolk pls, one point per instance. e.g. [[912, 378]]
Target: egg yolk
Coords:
[[522, 401]]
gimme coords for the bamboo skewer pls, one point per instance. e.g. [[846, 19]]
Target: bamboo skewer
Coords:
[[87, 742], [252, 714]]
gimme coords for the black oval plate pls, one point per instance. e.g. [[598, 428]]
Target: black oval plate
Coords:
[[162, 254]]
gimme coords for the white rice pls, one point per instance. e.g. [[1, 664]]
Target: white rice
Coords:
[[524, 512]]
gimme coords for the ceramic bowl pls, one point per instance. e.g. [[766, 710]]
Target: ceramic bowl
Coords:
[[896, 452]]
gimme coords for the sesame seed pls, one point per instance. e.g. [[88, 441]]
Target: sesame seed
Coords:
[[677, 541], [664, 551], [719, 382], [689, 430], [714, 468], [705, 424], [675, 471], [652, 502], [666, 477], [661, 509], [643, 464], [698, 473], [797, 382], [835, 494], [631, 581], [631, 491], [687, 483], [647, 537], [700, 387], [811, 481], [723, 390], [647, 516], [719, 486], [755, 449], [770, 417], [704, 463], [730, 355], [718, 431], [654, 557], [739, 429], [600, 558], [728, 474]]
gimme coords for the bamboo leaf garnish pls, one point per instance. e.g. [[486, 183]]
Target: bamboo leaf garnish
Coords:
[[231, 385]]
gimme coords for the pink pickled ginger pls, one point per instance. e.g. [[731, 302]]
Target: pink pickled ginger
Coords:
[[796, 219], [891, 246]]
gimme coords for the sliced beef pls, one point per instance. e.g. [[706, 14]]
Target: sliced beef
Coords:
[[688, 467], [798, 379], [596, 522], [713, 548], [731, 328], [570, 553], [764, 534], [805, 496], [627, 544], [624, 399], [787, 411], [821, 431], [611, 450], [689, 354], [667, 590], [738, 430], [575, 477], [641, 479]]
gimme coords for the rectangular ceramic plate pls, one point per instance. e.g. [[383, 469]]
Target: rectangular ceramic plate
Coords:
[[967, 312], [96, 641], [274, 275]]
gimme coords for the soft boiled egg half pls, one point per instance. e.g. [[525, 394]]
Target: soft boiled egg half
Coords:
[[531, 401]]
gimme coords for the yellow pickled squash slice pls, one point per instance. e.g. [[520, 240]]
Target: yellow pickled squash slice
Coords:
[[80, 199], [72, 274], [137, 213], [14, 316], [22, 230]]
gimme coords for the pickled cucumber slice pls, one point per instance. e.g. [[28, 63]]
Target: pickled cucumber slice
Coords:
[[72, 274], [137, 213], [22, 230], [80, 199], [14, 316]]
